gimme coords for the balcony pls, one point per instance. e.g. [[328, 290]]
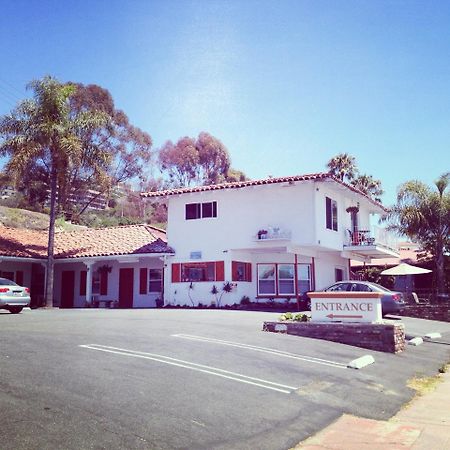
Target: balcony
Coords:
[[272, 234], [377, 243]]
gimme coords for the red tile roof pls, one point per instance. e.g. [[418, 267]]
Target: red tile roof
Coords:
[[23, 243], [322, 176], [123, 240]]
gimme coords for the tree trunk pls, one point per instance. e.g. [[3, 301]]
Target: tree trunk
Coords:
[[440, 275], [51, 240]]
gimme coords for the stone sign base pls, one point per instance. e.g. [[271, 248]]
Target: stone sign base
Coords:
[[380, 337]]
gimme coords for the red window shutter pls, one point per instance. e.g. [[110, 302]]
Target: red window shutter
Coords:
[[234, 271], [83, 275], [220, 271], [143, 281], [176, 273], [104, 283], [248, 271], [19, 278]]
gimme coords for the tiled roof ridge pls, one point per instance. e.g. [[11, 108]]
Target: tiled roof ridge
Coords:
[[264, 181], [152, 227], [238, 184]]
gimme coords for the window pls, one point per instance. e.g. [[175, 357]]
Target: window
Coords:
[[155, 277], [95, 283], [304, 278], [201, 210], [359, 287], [241, 271], [286, 276], [209, 209], [193, 211], [331, 214], [339, 287], [338, 274], [198, 271], [266, 279]]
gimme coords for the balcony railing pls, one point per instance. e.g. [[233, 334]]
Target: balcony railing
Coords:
[[271, 234], [378, 236]]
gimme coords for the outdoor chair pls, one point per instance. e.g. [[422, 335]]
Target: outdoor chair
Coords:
[[417, 300]]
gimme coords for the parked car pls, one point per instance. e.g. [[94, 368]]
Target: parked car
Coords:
[[391, 303], [13, 297]]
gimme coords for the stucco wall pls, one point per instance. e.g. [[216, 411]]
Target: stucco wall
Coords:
[[139, 301]]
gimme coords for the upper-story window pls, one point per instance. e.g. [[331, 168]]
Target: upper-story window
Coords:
[[331, 214], [201, 210]]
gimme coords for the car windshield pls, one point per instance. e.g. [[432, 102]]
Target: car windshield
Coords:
[[6, 282]]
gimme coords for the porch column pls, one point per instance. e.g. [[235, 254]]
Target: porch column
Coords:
[[89, 265]]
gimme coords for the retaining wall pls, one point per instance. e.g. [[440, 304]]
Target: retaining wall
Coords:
[[380, 337], [431, 312]]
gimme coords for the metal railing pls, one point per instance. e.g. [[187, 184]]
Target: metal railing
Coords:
[[377, 236]]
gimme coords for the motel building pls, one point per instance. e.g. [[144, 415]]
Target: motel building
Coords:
[[271, 239], [275, 238], [119, 267]]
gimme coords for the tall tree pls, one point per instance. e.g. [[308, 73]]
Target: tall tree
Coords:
[[181, 161], [128, 146], [369, 186], [423, 214], [343, 166], [213, 157], [200, 161], [44, 129]]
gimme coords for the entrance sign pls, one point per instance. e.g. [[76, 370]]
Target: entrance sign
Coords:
[[346, 306]]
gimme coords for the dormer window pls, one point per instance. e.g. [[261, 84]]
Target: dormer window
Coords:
[[201, 210]]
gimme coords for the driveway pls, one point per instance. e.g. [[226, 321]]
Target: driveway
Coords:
[[164, 379]]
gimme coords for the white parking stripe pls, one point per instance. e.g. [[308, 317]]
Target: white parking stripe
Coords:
[[193, 366], [255, 348]]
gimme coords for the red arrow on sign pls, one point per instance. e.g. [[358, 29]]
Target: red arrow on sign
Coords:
[[338, 316]]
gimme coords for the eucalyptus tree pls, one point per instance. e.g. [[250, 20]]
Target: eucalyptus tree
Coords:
[[423, 214], [200, 161], [44, 129]]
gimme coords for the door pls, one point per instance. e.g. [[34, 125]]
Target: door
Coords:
[[37, 285], [67, 288], [126, 279]]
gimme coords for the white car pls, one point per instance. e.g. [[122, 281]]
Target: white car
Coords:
[[13, 297]]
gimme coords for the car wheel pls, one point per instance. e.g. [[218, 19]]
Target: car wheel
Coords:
[[15, 309]]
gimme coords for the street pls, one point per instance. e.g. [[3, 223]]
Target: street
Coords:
[[188, 379]]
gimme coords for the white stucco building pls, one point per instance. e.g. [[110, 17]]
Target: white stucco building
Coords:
[[275, 238]]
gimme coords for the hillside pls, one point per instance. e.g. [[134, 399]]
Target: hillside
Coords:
[[21, 218]]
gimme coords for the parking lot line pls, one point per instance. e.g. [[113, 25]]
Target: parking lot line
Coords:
[[285, 389], [255, 348]]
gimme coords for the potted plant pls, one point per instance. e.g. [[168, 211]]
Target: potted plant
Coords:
[[262, 234]]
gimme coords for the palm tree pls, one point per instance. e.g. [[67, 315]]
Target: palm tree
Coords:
[[369, 186], [423, 214], [43, 128], [343, 167]]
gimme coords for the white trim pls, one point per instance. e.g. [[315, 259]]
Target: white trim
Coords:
[[22, 259], [120, 258]]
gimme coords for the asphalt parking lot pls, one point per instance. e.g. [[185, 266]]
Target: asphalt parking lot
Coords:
[[188, 379]]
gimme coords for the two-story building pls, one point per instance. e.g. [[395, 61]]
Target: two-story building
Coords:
[[276, 238]]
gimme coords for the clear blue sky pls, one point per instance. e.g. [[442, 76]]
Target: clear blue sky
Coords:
[[285, 85]]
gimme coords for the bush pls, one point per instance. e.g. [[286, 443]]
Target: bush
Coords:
[[294, 317]]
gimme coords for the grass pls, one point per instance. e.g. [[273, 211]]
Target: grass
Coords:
[[31, 220], [424, 385]]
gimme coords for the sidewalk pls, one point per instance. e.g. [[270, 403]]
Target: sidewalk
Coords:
[[422, 425]]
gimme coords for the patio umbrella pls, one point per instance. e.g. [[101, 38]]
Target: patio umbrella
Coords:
[[405, 269]]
